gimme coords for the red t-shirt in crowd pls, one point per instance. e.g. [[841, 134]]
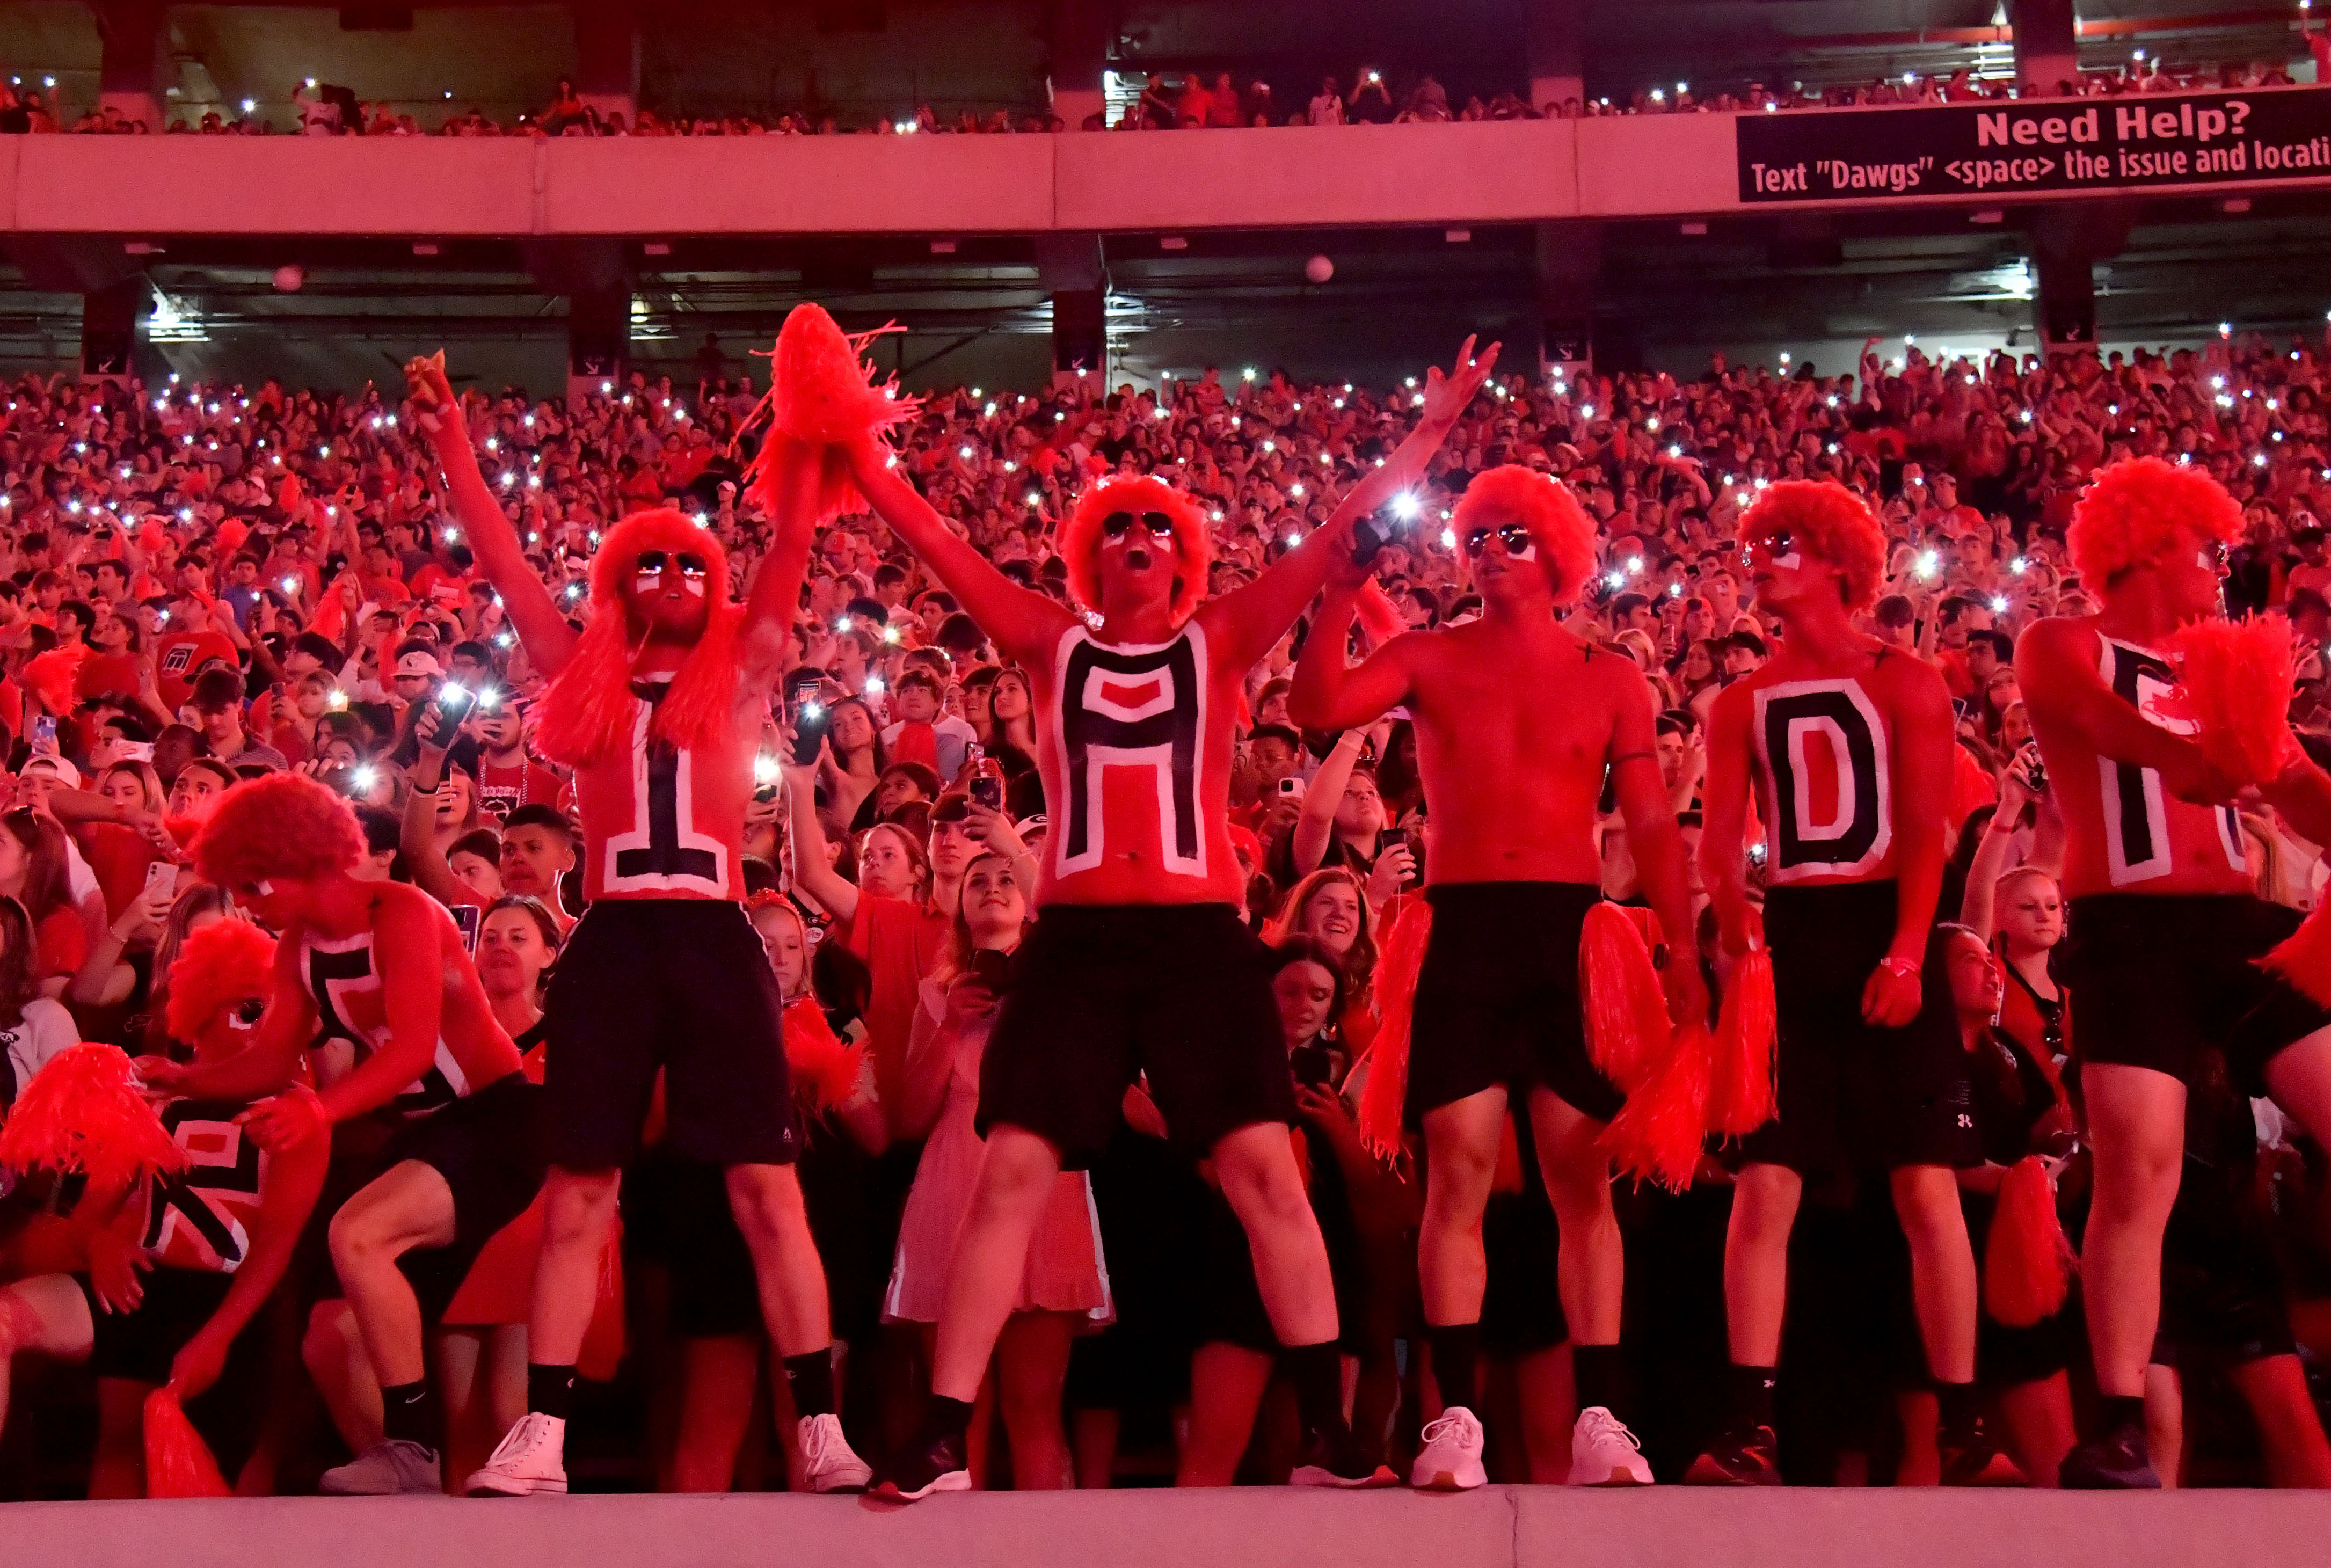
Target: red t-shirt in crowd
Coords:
[[117, 858], [180, 656], [60, 944], [900, 943], [502, 790], [108, 673]]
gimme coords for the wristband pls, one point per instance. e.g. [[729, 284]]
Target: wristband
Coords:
[[1900, 968]]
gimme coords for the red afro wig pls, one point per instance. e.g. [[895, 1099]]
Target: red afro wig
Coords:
[[589, 710], [1831, 522], [224, 963], [2134, 510], [1193, 548], [1544, 506], [280, 826]]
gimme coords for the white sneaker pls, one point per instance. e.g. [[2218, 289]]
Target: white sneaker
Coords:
[[828, 1462], [1451, 1459], [1605, 1453], [529, 1462]]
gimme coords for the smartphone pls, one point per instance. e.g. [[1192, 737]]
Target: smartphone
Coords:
[[454, 701], [1369, 535], [1311, 1065], [467, 920], [992, 969], [44, 733], [1291, 786], [809, 715], [1401, 838], [2034, 770], [162, 876], [134, 751]]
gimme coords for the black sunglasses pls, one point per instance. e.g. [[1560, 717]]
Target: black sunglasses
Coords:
[[1516, 537], [655, 560], [252, 1011], [1117, 525], [1768, 546]]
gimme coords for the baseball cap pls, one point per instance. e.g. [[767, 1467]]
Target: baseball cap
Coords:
[[64, 769], [417, 663]]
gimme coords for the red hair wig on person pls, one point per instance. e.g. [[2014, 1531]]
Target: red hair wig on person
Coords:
[[2134, 510], [284, 826], [589, 711], [224, 963], [1194, 547], [1824, 517], [1544, 506]]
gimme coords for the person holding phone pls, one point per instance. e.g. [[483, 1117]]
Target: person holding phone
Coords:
[[1497, 1012], [1064, 1287]]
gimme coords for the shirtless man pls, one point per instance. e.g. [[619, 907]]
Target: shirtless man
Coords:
[[1847, 742], [1517, 720], [1138, 960], [2165, 924], [658, 704], [373, 984]]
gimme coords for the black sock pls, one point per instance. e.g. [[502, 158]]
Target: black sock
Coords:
[[1601, 1373], [1752, 1397], [1959, 1413], [408, 1413], [1456, 1349], [2116, 1410], [1317, 1372], [549, 1390], [947, 1418], [810, 1379]]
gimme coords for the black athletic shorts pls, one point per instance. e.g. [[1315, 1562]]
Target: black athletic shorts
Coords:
[[2161, 978], [684, 984], [487, 1146], [1854, 1097], [1098, 993], [140, 1345], [1497, 1002]]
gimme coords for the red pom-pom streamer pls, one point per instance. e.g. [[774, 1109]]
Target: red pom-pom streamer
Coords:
[[2237, 677], [824, 1069], [820, 391], [179, 1463], [84, 1112], [1658, 1133], [1627, 1027], [2302, 960], [54, 677], [1398, 960], [2027, 1264], [1740, 1090]]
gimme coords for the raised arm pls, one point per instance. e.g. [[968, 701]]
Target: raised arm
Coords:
[[1315, 824], [1246, 624], [814, 874], [1656, 843], [775, 595], [549, 640], [2055, 666], [1021, 623], [418, 835], [1328, 692]]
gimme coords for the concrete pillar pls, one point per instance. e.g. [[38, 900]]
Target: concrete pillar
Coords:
[[598, 341], [1556, 41], [1569, 263], [2064, 304], [1080, 337], [2046, 44], [109, 329], [1082, 33], [607, 57], [134, 67]]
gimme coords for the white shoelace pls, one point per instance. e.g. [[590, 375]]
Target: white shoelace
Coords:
[[1456, 1421], [523, 1440], [1601, 1424]]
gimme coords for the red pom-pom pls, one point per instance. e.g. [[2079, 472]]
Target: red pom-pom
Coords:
[[2237, 677], [822, 393], [1399, 958], [2302, 960], [84, 1112], [182, 830], [1740, 1095], [2027, 1265], [224, 963], [54, 677], [179, 1463], [1658, 1133], [1627, 1027], [1379, 617], [824, 1069]]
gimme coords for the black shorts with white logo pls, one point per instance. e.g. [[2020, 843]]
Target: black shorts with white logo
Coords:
[[2159, 979], [1497, 1002], [1854, 1096], [684, 984], [487, 1146], [1098, 993], [140, 1344]]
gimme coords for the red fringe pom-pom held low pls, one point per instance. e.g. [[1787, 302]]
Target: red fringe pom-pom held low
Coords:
[[1740, 1089], [1658, 1133], [179, 1463], [2027, 1264], [1627, 1026], [825, 1068], [2237, 677], [54, 677], [822, 392], [82, 1112], [1384, 1099]]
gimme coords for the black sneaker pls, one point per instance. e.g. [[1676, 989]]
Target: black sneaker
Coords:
[[2119, 1461], [1748, 1459], [1334, 1460], [1977, 1461], [932, 1463]]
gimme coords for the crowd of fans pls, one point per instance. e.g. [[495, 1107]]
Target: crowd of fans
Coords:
[[1169, 99], [266, 579]]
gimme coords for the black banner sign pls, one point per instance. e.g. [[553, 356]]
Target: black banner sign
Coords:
[[2009, 146]]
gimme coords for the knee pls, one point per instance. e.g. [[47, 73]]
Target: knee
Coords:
[[1017, 1169], [1926, 1200], [357, 1239], [321, 1343], [1579, 1187], [1264, 1189], [765, 1200], [1461, 1171], [1764, 1206], [576, 1206]]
